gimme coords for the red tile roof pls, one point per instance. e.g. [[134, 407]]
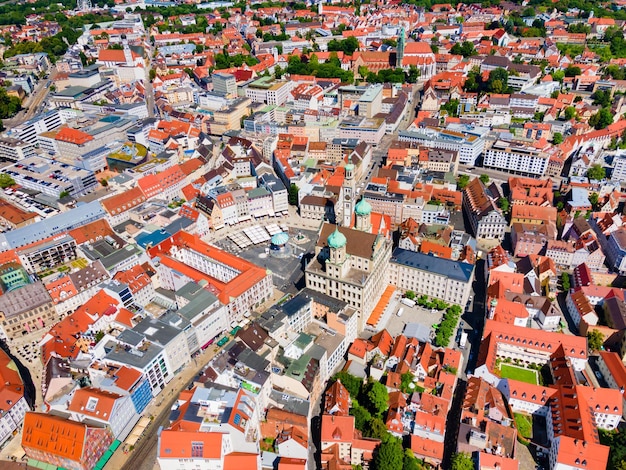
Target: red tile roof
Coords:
[[176, 444], [124, 201], [136, 278], [102, 401], [51, 437], [73, 136], [11, 384]]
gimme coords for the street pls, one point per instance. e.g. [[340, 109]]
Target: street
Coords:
[[34, 103]]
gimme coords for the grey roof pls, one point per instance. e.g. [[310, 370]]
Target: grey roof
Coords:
[[455, 270], [23, 299], [156, 331], [333, 304], [418, 331], [290, 403], [295, 305], [139, 358], [80, 215], [131, 337]]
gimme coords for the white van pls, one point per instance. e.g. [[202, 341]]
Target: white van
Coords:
[[400, 311]]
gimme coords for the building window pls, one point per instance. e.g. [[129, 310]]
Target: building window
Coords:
[[197, 449]]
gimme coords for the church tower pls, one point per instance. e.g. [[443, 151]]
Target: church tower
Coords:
[[363, 216], [348, 195], [400, 48]]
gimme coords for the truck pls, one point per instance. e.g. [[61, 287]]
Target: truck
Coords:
[[463, 340], [400, 311], [408, 302]]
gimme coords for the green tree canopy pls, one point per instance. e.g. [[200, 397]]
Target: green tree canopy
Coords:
[[292, 198], [389, 456], [503, 203], [377, 398], [466, 49], [601, 119], [462, 461], [462, 181], [484, 178], [565, 282], [595, 339], [451, 107], [557, 138], [569, 113], [572, 71], [348, 45], [596, 172], [353, 384], [6, 181], [362, 417]]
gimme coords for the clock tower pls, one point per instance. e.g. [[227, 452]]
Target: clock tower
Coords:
[[349, 194]]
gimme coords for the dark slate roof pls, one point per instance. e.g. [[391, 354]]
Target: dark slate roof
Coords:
[[455, 270]]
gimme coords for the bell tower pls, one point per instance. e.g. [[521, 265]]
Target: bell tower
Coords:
[[349, 195]]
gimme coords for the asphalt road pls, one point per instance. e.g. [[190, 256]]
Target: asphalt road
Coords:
[[33, 105]]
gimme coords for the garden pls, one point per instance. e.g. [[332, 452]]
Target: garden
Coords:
[[508, 371]]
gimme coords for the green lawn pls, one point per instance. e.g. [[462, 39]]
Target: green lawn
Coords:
[[508, 371], [524, 425]]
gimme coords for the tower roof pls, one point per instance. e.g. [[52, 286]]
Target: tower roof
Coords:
[[337, 239], [363, 208]]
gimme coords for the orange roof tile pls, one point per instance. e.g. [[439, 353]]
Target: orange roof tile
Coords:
[[176, 444], [123, 201], [239, 460], [102, 402], [54, 435], [73, 136]]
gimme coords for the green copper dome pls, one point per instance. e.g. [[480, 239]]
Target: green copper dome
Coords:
[[337, 239], [349, 167], [363, 208]]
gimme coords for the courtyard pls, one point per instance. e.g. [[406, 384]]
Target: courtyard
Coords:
[[508, 371]]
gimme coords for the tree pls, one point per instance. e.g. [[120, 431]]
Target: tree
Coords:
[[565, 282], [362, 417], [353, 384], [390, 455], [6, 181], [601, 119], [557, 138], [152, 74], [462, 181], [376, 428], [409, 294], [596, 172], [602, 98], [451, 107], [558, 76], [104, 182], [595, 340], [377, 398], [293, 194], [484, 178], [572, 71], [466, 49], [569, 113], [63, 194], [498, 81], [593, 199], [410, 462], [462, 461], [503, 204]]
